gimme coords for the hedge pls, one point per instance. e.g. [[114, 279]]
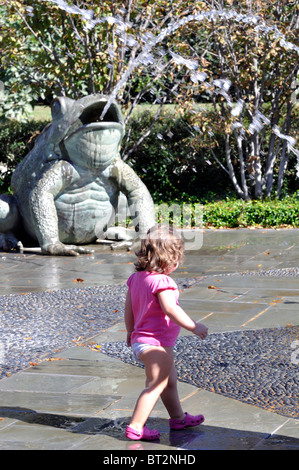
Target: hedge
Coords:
[[237, 213], [157, 162]]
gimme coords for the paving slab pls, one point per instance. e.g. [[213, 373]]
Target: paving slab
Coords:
[[80, 398]]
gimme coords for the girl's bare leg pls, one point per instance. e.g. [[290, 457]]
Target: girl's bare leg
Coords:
[[170, 397], [158, 364]]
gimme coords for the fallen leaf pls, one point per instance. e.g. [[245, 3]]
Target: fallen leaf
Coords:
[[78, 339]]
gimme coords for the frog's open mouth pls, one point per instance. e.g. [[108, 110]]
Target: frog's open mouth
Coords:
[[91, 119], [94, 139]]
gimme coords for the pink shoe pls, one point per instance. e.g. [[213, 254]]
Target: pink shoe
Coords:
[[187, 422], [146, 434]]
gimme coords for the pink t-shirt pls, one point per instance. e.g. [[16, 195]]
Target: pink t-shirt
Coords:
[[151, 325]]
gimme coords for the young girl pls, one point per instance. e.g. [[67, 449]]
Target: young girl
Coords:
[[153, 319]]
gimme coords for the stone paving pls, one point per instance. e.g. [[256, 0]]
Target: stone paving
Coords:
[[77, 396]]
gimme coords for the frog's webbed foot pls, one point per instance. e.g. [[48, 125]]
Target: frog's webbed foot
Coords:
[[120, 245], [59, 249]]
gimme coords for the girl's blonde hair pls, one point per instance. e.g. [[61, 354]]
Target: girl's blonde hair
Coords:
[[162, 247]]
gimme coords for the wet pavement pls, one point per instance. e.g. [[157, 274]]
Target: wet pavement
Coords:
[[79, 395]]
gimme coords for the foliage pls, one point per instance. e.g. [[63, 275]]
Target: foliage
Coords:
[[231, 213], [81, 48], [238, 213], [249, 64], [166, 160], [240, 56], [16, 140], [169, 163]]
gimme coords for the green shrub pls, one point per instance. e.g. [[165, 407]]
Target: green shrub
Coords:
[[166, 160], [170, 165], [223, 213], [16, 140], [231, 213], [237, 213], [172, 170]]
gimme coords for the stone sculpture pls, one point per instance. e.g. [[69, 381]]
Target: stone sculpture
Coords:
[[66, 189]]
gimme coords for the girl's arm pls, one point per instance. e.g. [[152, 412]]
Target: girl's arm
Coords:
[[129, 318], [178, 315]]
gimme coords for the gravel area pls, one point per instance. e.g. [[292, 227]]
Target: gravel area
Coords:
[[283, 272], [36, 325], [255, 367]]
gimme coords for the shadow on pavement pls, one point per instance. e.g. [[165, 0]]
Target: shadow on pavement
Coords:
[[203, 437]]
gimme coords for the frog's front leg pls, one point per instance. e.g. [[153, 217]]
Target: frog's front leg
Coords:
[[141, 205], [44, 215], [9, 221]]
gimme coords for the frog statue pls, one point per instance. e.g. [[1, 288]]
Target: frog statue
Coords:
[[66, 190]]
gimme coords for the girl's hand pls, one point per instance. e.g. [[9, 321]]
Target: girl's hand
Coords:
[[200, 330], [129, 334]]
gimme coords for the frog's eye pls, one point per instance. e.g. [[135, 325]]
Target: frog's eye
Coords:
[[56, 108], [61, 106]]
